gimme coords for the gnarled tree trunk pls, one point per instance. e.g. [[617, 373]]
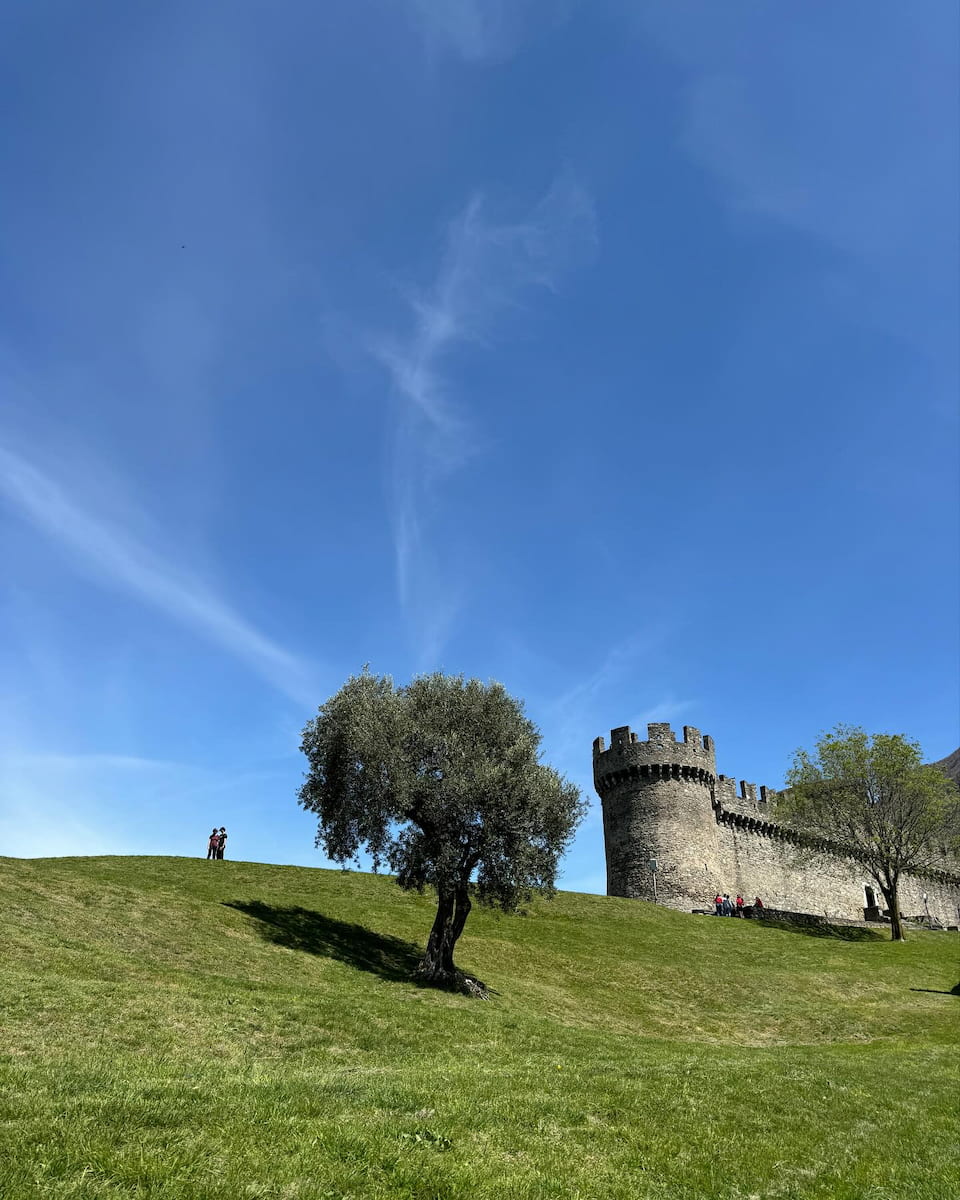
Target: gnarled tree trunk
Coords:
[[437, 966]]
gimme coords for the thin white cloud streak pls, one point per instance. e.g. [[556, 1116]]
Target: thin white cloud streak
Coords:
[[121, 561], [93, 762], [35, 820], [572, 711], [573, 719], [56, 804], [486, 268], [847, 134], [31, 826], [484, 30], [591, 708], [668, 709]]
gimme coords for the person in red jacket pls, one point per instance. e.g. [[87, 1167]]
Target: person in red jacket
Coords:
[[718, 901], [739, 906], [758, 903], [213, 844]]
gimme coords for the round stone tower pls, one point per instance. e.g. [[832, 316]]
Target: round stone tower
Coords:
[[657, 801]]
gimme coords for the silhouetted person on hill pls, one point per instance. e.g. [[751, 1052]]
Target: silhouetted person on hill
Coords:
[[221, 841], [213, 843]]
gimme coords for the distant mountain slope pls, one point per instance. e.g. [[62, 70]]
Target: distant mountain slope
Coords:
[[951, 765]]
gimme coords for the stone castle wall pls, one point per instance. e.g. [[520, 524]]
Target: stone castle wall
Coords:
[[676, 779], [662, 801]]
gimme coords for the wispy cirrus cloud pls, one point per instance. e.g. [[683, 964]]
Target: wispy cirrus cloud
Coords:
[[484, 30], [597, 703], [865, 158], [486, 268], [103, 548], [668, 709], [55, 804]]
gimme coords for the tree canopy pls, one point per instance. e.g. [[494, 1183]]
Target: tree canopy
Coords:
[[874, 795], [440, 781]]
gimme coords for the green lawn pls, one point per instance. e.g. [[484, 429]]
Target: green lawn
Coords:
[[178, 1028]]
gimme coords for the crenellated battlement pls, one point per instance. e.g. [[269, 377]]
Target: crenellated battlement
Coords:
[[660, 735], [677, 833], [661, 756], [747, 799]]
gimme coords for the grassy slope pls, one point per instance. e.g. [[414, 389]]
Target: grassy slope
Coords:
[[157, 1041]]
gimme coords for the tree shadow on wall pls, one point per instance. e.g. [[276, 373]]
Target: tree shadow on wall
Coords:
[[313, 933], [841, 933]]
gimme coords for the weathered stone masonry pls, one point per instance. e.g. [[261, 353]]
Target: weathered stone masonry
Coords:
[[663, 800]]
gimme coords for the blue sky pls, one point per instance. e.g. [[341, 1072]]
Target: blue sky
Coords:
[[606, 349]]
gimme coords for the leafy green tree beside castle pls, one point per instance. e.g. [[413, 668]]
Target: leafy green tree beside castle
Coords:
[[875, 796], [440, 781]]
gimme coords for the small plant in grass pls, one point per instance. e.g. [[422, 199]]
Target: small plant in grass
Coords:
[[428, 1137], [440, 780]]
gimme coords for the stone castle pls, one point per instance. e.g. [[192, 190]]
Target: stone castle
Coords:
[[678, 833]]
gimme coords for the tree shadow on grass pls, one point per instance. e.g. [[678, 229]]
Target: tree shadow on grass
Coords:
[[954, 991], [842, 933], [313, 933]]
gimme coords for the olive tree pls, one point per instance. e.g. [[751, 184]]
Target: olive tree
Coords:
[[439, 780], [874, 796]]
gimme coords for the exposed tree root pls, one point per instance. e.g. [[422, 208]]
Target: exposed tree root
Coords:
[[453, 981]]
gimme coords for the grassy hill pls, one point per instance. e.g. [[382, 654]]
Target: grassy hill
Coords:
[[185, 1029]]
